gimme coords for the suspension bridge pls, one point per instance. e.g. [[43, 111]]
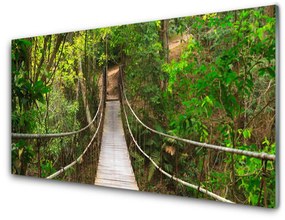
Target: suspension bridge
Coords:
[[112, 125]]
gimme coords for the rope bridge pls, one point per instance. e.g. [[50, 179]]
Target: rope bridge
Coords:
[[140, 144]]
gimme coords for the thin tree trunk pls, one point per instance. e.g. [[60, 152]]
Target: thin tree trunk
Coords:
[[28, 59], [37, 73], [233, 176], [59, 39], [84, 95], [164, 39], [165, 50]]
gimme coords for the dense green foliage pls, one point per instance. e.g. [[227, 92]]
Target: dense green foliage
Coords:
[[208, 78], [219, 90], [51, 76]]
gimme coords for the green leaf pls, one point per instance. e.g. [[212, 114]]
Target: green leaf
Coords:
[[246, 133], [38, 84], [45, 90], [268, 70]]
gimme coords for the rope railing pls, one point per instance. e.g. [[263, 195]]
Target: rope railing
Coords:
[[79, 158], [198, 188], [81, 155], [56, 135], [262, 155]]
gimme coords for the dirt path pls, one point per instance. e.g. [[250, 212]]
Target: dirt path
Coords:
[[112, 83], [175, 48]]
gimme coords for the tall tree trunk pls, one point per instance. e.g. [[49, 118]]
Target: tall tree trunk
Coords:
[[164, 39], [28, 59], [165, 49], [43, 56], [59, 39], [84, 94]]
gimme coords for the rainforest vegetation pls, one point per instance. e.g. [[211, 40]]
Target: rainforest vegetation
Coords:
[[209, 78]]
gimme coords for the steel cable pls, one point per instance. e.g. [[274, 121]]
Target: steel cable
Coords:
[[200, 189], [55, 135], [262, 155], [81, 155]]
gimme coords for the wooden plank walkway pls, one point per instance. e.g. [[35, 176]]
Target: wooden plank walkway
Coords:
[[114, 168]]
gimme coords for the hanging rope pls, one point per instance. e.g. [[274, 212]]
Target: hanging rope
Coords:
[[200, 189], [81, 155], [263, 156], [55, 135]]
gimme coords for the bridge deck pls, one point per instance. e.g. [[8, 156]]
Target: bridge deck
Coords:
[[114, 168]]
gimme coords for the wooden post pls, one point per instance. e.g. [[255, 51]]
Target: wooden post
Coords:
[[104, 85], [39, 159], [161, 161], [264, 184], [145, 161], [120, 83], [62, 155], [176, 169]]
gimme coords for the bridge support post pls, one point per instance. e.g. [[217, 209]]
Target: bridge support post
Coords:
[[120, 82], [39, 158], [104, 85]]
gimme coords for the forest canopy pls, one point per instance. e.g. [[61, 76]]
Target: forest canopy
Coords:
[[209, 78]]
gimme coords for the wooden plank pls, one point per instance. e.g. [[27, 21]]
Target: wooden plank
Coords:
[[117, 177], [114, 168], [117, 183], [113, 185], [118, 160], [110, 172], [115, 171]]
